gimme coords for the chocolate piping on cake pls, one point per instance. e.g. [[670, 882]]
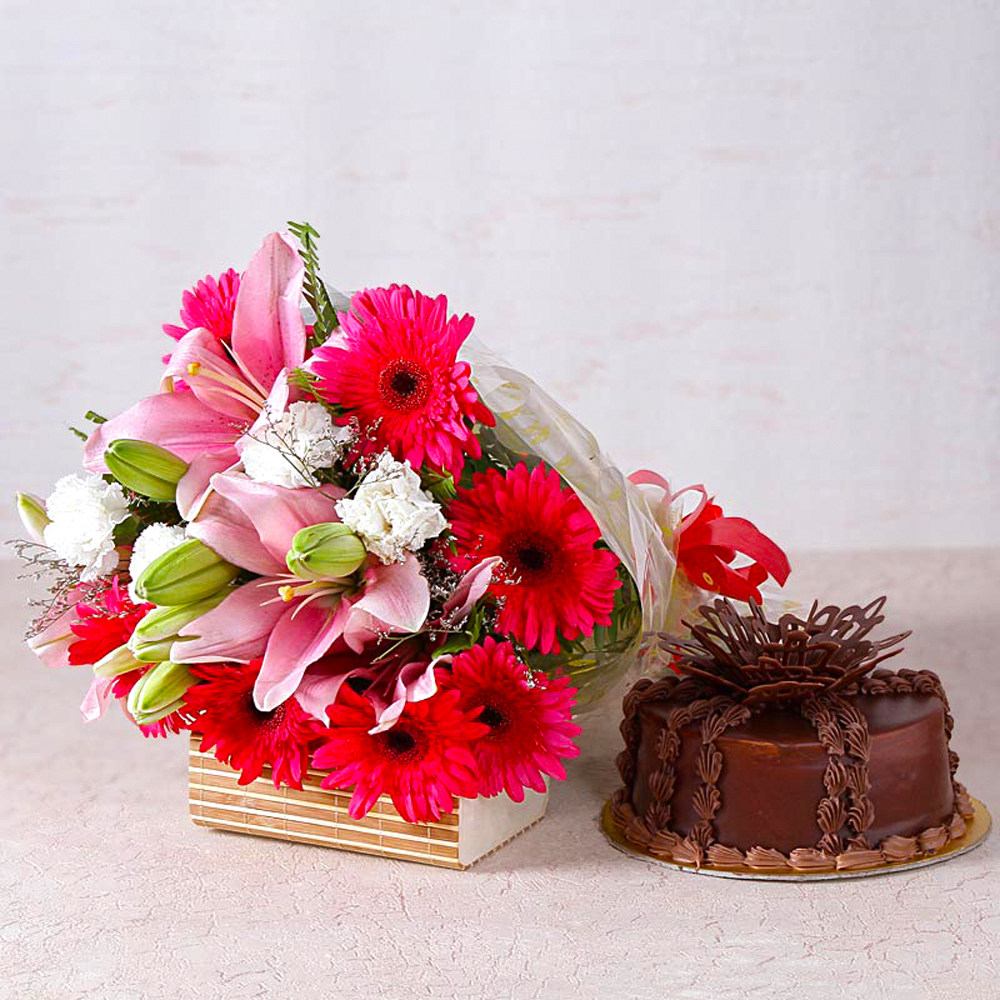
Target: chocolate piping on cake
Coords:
[[843, 732], [661, 783], [665, 843], [707, 798]]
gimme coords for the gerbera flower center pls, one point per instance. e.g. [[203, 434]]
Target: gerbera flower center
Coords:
[[530, 556], [401, 745], [404, 385], [267, 722], [496, 717]]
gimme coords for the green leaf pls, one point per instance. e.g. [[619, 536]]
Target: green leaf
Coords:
[[127, 530], [306, 382], [442, 488], [465, 639], [94, 418], [458, 642]]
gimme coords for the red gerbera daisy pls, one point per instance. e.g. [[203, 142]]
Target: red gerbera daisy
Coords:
[[105, 622], [244, 737], [421, 762], [210, 305], [553, 581], [530, 719], [396, 371]]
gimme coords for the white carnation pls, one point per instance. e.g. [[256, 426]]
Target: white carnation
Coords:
[[150, 544], [390, 511], [84, 511], [287, 450]]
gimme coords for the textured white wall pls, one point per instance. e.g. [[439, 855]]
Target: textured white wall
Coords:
[[752, 244]]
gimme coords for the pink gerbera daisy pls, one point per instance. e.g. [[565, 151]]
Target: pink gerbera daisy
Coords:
[[529, 718], [421, 762], [553, 580], [395, 370], [106, 621], [244, 737], [209, 305]]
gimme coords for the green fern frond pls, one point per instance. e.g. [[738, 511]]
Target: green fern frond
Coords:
[[313, 289]]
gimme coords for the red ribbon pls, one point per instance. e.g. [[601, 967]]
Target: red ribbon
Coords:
[[707, 542]]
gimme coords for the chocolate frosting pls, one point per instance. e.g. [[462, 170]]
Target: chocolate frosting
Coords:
[[842, 780]]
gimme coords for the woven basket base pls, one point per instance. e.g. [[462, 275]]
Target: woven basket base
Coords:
[[316, 815]]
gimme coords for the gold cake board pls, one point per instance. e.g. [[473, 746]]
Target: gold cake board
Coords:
[[975, 834]]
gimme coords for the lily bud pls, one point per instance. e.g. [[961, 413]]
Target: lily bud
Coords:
[[166, 623], [148, 718], [152, 652], [131, 702], [162, 686], [145, 468], [118, 661], [188, 573], [33, 516], [325, 552], [158, 631]]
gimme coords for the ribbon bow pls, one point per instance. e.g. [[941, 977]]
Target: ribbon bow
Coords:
[[706, 543]]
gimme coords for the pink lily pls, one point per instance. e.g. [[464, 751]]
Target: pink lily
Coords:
[[473, 585], [98, 697], [51, 644], [95, 701], [405, 675], [229, 383], [289, 621]]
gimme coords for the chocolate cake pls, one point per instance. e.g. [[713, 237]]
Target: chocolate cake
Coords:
[[778, 746]]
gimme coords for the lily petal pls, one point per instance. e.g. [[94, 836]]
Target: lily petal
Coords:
[[177, 421], [51, 645], [268, 332], [276, 512], [415, 682], [95, 701], [237, 629], [277, 403], [397, 595], [470, 589], [195, 485], [301, 637], [225, 529], [361, 629], [322, 681], [217, 375]]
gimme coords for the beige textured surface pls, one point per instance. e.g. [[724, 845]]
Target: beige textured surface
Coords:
[[109, 892]]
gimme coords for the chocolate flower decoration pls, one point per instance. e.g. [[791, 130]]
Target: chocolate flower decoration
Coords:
[[762, 662]]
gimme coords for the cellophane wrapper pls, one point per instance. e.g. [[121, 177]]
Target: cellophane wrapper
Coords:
[[638, 525]]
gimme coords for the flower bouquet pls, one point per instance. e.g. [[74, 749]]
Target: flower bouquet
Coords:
[[370, 569]]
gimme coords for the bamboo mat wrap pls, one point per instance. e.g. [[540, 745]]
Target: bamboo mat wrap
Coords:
[[314, 815]]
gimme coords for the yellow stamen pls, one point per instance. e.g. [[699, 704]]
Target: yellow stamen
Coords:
[[229, 386], [287, 593]]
